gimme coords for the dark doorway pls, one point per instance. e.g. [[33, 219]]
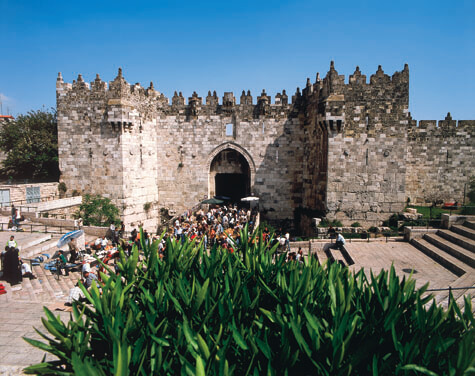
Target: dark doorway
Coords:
[[231, 185], [230, 175]]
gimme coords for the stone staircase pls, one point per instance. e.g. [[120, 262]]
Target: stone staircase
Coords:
[[47, 288], [455, 250], [324, 253]]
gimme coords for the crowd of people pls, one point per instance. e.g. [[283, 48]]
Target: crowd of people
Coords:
[[219, 225]]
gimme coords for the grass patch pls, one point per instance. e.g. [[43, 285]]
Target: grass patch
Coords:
[[436, 211]]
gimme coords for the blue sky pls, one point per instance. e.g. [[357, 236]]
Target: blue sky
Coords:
[[230, 46]]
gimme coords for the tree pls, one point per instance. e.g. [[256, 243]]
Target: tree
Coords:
[[31, 145], [98, 211]]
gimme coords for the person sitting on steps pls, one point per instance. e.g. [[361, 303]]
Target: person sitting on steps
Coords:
[[340, 241], [26, 270]]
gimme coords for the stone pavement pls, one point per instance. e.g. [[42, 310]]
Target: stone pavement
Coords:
[[405, 258], [18, 319]]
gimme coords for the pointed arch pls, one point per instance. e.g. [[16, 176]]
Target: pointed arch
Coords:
[[240, 150]]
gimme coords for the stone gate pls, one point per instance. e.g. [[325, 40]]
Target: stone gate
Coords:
[[345, 150]]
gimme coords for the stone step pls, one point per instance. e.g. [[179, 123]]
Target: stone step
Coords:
[[464, 231], [317, 250], [338, 256], [458, 239], [447, 261], [38, 239], [47, 291], [461, 253], [469, 224], [461, 301], [467, 280], [39, 249]]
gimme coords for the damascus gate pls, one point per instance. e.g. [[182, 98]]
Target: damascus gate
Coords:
[[347, 150]]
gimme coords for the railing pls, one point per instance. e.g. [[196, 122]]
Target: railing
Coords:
[[450, 289], [35, 200], [48, 229]]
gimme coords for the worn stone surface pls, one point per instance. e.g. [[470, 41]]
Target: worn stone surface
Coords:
[[348, 150]]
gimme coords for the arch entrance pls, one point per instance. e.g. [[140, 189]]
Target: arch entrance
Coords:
[[229, 175]]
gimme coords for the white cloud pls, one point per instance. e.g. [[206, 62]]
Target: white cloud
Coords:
[[6, 105]]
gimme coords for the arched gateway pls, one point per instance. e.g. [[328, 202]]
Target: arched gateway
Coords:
[[231, 172]]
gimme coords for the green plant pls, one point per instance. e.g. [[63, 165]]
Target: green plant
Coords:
[[97, 211], [373, 229], [76, 193], [355, 224], [147, 206], [264, 224], [327, 223], [468, 210], [62, 187], [31, 146], [251, 313]]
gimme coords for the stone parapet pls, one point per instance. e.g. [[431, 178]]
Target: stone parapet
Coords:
[[348, 151]]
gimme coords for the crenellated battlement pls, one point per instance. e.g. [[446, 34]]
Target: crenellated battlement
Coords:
[[442, 125], [120, 88], [331, 94], [347, 147]]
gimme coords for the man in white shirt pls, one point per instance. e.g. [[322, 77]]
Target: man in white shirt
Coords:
[[340, 241], [26, 270]]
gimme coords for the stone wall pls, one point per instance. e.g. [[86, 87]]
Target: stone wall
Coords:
[[350, 151], [18, 192], [440, 160]]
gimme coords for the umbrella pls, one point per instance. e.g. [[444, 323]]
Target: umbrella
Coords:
[[212, 201], [69, 236], [250, 198], [225, 198]]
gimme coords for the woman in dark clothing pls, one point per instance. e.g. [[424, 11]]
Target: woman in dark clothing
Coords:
[[12, 267]]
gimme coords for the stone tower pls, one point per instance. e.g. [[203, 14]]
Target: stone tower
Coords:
[[349, 151]]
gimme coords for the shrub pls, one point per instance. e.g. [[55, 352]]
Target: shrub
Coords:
[[147, 206], [97, 211], [62, 187], [327, 223], [373, 229], [249, 312], [468, 209], [355, 224], [392, 221]]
